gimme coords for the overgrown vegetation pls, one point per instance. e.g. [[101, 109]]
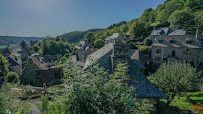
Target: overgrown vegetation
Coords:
[[53, 47], [176, 78], [94, 91]]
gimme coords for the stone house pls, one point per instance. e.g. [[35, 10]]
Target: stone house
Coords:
[[36, 73], [176, 45], [118, 52], [110, 39], [83, 49], [20, 52], [15, 66]]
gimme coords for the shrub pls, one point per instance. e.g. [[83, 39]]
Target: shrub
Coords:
[[12, 77], [147, 42], [99, 43]]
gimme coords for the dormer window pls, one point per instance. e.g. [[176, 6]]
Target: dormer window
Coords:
[[188, 41], [171, 40]]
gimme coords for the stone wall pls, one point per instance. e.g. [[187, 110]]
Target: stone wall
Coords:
[[187, 54], [28, 74]]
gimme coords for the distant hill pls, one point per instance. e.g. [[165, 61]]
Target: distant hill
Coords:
[[12, 40], [76, 36]]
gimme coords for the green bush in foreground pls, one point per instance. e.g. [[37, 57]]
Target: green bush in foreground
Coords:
[[93, 91]]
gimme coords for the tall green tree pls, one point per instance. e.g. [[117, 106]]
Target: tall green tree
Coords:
[[176, 78], [4, 64], [90, 37], [99, 43], [136, 30], [179, 19], [94, 91]]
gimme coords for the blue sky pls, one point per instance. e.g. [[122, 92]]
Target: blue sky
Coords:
[[55, 17]]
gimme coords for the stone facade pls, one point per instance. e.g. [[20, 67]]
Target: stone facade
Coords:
[[83, 49], [177, 47], [36, 73]]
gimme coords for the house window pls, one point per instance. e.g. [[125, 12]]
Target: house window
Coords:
[[157, 58], [173, 53], [158, 51]]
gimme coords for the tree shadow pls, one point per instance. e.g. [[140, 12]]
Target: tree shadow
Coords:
[[163, 109]]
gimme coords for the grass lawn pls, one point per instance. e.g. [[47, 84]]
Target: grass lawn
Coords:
[[182, 104]]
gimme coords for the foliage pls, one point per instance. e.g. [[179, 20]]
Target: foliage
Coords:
[[132, 45], [99, 43], [176, 78], [12, 77], [90, 37], [148, 42], [145, 49], [36, 48], [136, 30], [76, 36], [182, 104], [53, 47], [93, 91], [48, 107], [179, 19], [4, 64], [198, 108], [9, 102]]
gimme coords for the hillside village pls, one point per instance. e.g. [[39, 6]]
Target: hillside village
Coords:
[[149, 65], [168, 46]]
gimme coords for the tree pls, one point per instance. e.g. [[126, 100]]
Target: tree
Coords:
[[45, 48], [57, 38], [12, 77], [94, 91], [176, 78], [136, 30], [4, 64], [179, 18], [99, 43], [35, 48], [90, 37], [147, 42]]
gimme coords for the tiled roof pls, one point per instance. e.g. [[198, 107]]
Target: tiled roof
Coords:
[[179, 41]]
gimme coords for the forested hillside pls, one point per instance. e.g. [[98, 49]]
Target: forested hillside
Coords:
[[10, 40], [76, 36], [175, 14]]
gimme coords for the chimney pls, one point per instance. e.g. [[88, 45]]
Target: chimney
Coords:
[[198, 34]]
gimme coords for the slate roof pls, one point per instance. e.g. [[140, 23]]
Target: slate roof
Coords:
[[50, 58], [137, 55], [177, 32], [144, 88], [12, 61], [39, 63], [167, 31], [179, 41], [114, 36], [162, 31]]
